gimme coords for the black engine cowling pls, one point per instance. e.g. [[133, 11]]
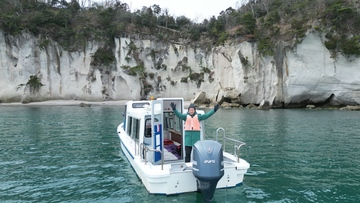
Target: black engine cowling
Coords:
[[208, 166]]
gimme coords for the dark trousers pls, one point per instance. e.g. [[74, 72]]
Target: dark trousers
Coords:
[[187, 153]]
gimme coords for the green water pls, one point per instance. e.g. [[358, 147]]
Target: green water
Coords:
[[72, 154]]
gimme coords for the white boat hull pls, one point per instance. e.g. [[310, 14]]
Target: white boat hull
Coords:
[[176, 178]]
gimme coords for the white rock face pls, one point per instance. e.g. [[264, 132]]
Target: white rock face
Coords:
[[304, 75]]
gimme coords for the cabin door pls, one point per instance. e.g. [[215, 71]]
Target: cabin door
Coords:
[[157, 128]]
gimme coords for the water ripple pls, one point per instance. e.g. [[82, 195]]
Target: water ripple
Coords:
[[72, 154]]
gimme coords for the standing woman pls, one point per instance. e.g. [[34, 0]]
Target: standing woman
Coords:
[[192, 125]]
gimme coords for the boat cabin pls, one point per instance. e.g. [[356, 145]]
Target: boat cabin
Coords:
[[157, 134]]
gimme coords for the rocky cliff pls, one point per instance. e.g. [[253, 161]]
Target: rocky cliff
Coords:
[[296, 76]]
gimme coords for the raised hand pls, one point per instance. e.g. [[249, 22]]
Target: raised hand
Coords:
[[216, 107], [173, 106]]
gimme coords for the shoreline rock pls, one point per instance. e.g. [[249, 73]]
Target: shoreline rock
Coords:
[[67, 103]]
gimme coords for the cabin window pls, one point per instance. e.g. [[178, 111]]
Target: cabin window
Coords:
[[147, 132], [148, 129], [140, 104], [133, 127], [129, 125], [169, 120], [178, 124], [172, 122]]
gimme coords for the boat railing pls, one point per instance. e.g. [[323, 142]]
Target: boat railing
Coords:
[[142, 150], [237, 143], [147, 149]]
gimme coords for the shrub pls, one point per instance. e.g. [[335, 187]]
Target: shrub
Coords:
[[33, 83], [133, 71], [185, 68], [350, 46], [184, 80], [266, 47], [103, 56], [151, 75]]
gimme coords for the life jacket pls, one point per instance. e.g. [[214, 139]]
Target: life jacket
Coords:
[[192, 123]]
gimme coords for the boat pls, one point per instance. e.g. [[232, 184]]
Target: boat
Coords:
[[151, 137]]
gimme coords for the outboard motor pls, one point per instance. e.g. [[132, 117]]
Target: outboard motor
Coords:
[[208, 167]]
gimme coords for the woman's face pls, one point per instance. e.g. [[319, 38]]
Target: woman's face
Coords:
[[191, 111]]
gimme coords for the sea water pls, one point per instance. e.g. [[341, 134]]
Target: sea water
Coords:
[[72, 154]]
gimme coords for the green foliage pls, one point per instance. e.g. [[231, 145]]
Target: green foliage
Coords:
[[151, 75], [153, 54], [205, 70], [127, 58], [298, 27], [73, 27], [290, 20], [275, 4], [339, 12], [266, 46], [194, 76], [185, 68], [197, 77], [347, 45], [44, 43], [184, 80], [164, 66], [11, 23], [183, 21], [64, 22], [222, 38], [106, 20], [249, 23], [216, 29], [331, 43], [272, 18], [159, 78], [244, 60], [167, 21], [298, 7], [176, 50], [173, 83], [103, 56], [147, 87], [159, 65], [145, 18], [350, 46], [133, 71], [33, 83], [195, 33], [132, 48]]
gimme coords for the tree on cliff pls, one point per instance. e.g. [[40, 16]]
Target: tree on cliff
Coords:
[[33, 84], [72, 23]]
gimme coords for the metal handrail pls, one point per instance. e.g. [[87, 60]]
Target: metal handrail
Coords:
[[236, 148], [154, 150], [141, 149]]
